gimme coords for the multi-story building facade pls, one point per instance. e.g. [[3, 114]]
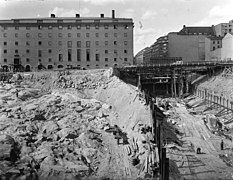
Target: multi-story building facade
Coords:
[[213, 45], [58, 42], [140, 56], [223, 28]]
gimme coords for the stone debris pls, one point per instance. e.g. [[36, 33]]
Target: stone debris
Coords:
[[54, 127]]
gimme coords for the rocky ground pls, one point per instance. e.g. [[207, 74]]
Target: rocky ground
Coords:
[[65, 125]]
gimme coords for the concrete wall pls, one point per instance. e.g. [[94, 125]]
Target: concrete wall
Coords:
[[227, 47], [189, 47]]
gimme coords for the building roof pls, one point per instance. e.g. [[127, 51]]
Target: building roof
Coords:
[[197, 31]]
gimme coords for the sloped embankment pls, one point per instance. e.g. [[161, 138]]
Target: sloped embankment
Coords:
[[54, 125]]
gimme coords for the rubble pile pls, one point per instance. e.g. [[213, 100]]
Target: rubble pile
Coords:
[[52, 124]]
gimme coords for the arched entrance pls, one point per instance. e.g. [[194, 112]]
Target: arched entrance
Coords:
[[50, 67], [60, 66], [27, 68]]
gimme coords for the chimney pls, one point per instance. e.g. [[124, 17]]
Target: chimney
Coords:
[[77, 15], [102, 15], [52, 15], [184, 26], [113, 14]]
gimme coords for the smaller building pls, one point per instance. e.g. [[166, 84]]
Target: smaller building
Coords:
[[213, 45], [140, 56], [227, 47], [223, 28]]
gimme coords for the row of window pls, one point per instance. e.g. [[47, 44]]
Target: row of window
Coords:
[[88, 26], [50, 51], [69, 35], [69, 43], [78, 58]]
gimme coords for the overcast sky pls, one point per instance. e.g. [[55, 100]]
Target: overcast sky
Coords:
[[152, 18]]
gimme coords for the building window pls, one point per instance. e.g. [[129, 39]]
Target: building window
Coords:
[[125, 34], [50, 27], [60, 57], [106, 34], [39, 27], [50, 43], [97, 43], [78, 54], [96, 26], [229, 30], [27, 43], [69, 44], [60, 43], [115, 42], [106, 65], [78, 44], [125, 43], [87, 26], [115, 59], [115, 26], [125, 59], [39, 43], [97, 65], [106, 43], [218, 42], [27, 35], [105, 26], [106, 59], [97, 57], [213, 42], [88, 54], [69, 54], [39, 35], [39, 60], [115, 34], [5, 34], [69, 27], [69, 35], [16, 27], [96, 34], [5, 28], [106, 51], [78, 35], [125, 51], [16, 51], [78, 26], [115, 52], [88, 43], [50, 50], [5, 60], [213, 48], [50, 59], [27, 60], [5, 43], [60, 27], [50, 35], [60, 35], [16, 34], [87, 34], [126, 27], [39, 53], [27, 51], [5, 51], [218, 46]]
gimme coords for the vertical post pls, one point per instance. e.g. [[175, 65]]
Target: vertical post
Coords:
[[172, 79], [187, 84], [163, 163], [174, 82], [166, 169], [139, 83], [181, 86]]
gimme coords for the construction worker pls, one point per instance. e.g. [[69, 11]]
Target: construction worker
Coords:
[[222, 145]]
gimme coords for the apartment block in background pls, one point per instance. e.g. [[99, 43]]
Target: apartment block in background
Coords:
[[59, 42]]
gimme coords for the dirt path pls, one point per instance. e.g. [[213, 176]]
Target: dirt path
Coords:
[[116, 164], [199, 166]]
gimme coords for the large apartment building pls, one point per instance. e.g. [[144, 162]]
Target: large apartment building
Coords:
[[59, 42]]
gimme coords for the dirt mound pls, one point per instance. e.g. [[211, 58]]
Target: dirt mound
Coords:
[[57, 123]]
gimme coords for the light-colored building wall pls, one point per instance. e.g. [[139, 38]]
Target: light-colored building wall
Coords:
[[213, 47], [223, 28], [110, 38], [188, 47], [227, 47]]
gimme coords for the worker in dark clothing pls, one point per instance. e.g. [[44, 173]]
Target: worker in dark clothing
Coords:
[[222, 145]]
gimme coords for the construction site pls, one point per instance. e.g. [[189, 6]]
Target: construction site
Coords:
[[136, 122]]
